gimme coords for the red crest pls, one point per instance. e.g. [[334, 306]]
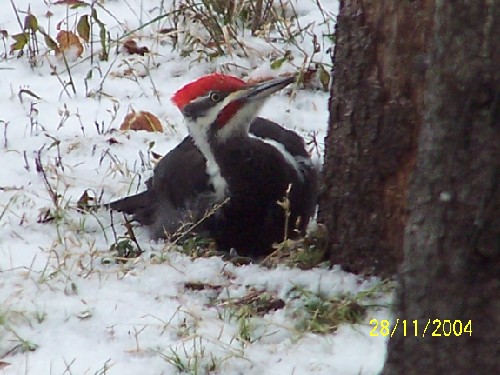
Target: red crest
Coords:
[[203, 85]]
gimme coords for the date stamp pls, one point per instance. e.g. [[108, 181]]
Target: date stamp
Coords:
[[420, 328]]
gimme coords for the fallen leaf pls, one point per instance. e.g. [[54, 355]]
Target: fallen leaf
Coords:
[[86, 202], [83, 27], [4, 364], [141, 120], [69, 44], [69, 2], [131, 47], [20, 41]]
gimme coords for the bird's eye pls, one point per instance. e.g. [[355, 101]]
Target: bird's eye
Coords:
[[215, 97]]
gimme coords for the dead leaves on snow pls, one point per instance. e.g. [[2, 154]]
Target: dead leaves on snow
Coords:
[[255, 302], [69, 44], [141, 120], [131, 47]]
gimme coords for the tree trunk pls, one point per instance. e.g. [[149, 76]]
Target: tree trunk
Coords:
[[452, 242], [375, 114]]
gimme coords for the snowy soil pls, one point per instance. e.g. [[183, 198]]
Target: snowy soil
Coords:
[[64, 309]]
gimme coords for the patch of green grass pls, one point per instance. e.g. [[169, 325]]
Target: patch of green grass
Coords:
[[326, 315], [319, 314], [192, 361], [125, 249], [245, 310], [198, 247], [254, 303], [23, 345], [19, 344], [245, 326], [40, 316]]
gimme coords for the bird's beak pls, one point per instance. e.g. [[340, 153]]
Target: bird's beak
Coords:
[[262, 90]]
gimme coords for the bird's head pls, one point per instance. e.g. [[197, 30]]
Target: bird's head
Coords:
[[219, 106]]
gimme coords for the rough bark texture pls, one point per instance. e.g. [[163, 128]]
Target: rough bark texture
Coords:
[[452, 242], [376, 106]]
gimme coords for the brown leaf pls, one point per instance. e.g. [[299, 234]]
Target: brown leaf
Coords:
[[70, 2], [86, 202], [45, 216], [196, 286], [141, 120], [69, 41], [131, 47], [4, 364], [166, 30], [155, 155], [112, 141]]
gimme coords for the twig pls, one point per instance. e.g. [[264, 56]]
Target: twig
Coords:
[[41, 170]]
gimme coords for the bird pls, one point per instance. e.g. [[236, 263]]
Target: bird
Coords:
[[256, 176]]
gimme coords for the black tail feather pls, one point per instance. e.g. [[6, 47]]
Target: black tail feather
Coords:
[[142, 206]]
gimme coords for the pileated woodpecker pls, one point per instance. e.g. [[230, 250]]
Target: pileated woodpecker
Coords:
[[220, 162]]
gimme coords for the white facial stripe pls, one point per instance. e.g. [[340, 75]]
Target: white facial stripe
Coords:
[[211, 114], [208, 119]]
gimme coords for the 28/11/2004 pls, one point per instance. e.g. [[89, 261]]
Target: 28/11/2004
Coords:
[[436, 327]]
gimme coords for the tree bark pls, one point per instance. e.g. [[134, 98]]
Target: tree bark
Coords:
[[375, 114], [452, 242]]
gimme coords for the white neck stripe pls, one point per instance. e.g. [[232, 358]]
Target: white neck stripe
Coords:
[[295, 161], [212, 168]]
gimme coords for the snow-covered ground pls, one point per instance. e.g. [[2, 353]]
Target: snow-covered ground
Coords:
[[65, 309]]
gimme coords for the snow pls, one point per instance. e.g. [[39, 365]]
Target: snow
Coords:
[[58, 296]]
